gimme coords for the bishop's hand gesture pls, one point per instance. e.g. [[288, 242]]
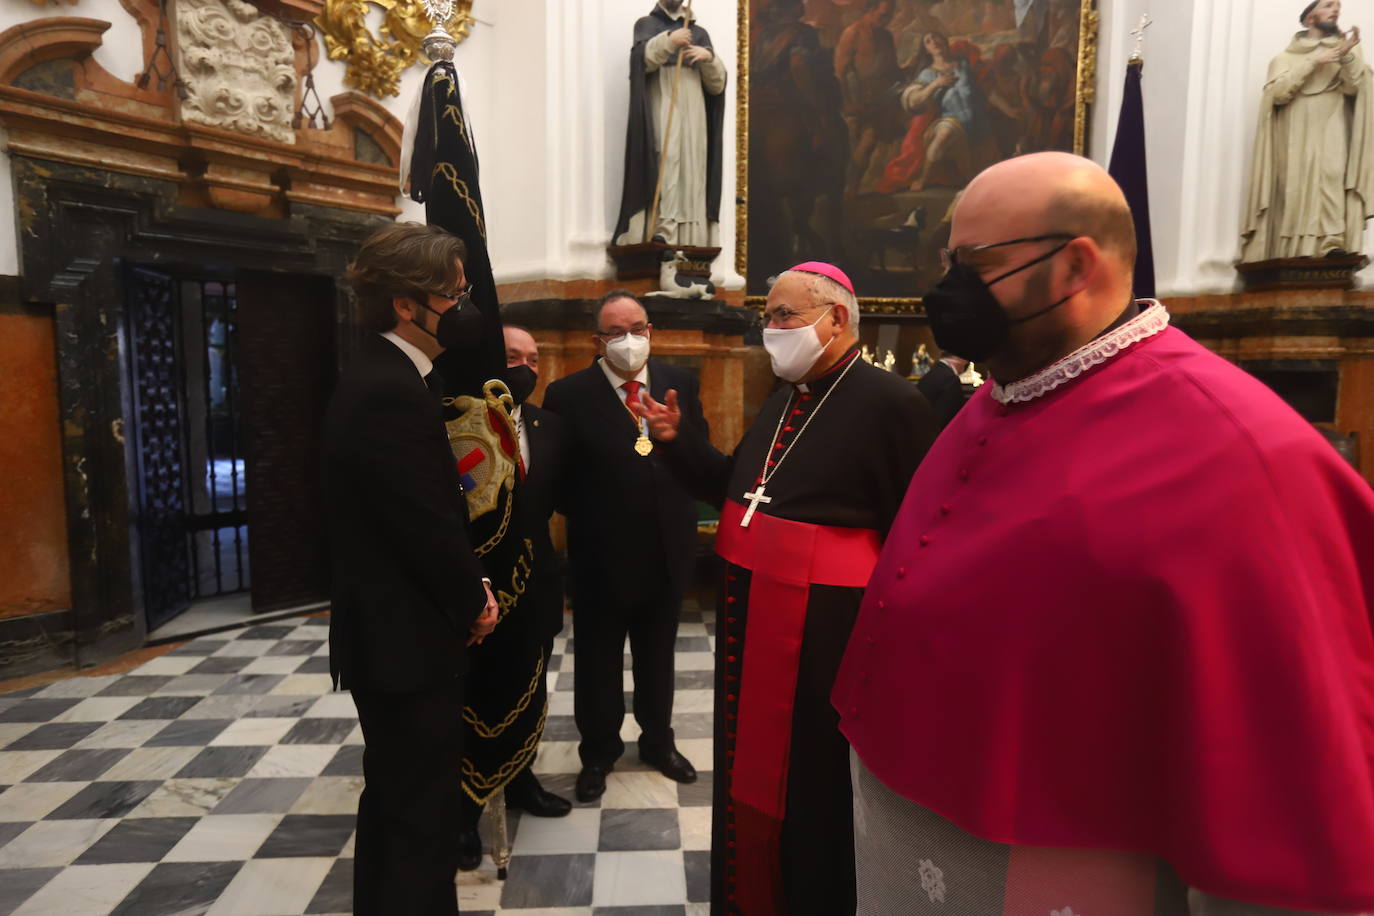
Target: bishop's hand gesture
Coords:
[[663, 419]]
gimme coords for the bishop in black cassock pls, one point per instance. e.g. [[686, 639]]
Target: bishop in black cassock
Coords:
[[806, 498]]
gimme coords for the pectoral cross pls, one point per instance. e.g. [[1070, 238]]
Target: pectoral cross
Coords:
[[754, 498]]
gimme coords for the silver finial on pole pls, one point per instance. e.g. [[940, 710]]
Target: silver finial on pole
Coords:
[[439, 44], [1138, 32]]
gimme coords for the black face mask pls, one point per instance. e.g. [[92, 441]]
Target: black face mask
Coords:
[[459, 329], [966, 318], [521, 381]]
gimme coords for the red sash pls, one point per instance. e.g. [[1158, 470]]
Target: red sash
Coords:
[[786, 559]]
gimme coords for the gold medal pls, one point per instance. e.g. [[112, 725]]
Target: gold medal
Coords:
[[643, 445]]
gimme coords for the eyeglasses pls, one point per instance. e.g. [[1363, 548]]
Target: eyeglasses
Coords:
[[638, 330], [457, 295], [783, 316], [967, 255]]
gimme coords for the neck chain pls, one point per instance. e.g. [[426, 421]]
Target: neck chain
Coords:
[[765, 475], [643, 445]]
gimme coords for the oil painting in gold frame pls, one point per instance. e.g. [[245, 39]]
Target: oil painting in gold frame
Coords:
[[859, 122]]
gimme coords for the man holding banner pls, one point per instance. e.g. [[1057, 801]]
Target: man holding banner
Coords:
[[506, 700]]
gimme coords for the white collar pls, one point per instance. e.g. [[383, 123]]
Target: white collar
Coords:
[[642, 376], [1152, 320], [414, 353]]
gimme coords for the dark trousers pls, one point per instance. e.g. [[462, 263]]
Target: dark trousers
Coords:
[[599, 631], [407, 851]]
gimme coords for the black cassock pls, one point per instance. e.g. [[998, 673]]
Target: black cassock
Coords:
[[862, 432]]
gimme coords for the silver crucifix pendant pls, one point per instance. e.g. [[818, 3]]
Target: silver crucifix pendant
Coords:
[[754, 498]]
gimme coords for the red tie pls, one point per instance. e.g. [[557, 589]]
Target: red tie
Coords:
[[632, 392]]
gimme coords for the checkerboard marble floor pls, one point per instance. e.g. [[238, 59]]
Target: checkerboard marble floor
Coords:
[[223, 778]]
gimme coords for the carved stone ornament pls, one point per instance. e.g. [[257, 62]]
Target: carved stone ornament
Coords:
[[238, 66], [375, 62]]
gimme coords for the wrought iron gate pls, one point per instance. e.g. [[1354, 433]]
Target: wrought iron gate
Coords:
[[192, 482]]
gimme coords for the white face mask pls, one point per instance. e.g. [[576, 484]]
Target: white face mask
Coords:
[[628, 353], [793, 351]]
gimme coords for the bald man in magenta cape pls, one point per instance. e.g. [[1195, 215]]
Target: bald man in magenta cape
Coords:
[[1116, 657]]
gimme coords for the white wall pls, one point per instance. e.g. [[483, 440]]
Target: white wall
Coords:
[[548, 91], [1205, 65]]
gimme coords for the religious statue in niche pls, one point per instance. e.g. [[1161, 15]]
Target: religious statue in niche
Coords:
[[673, 159], [1312, 179]]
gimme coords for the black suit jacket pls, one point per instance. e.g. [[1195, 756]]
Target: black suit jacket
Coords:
[[631, 521], [941, 387], [539, 499], [406, 586]]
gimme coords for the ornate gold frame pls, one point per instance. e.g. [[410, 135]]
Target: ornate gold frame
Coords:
[[375, 62], [1085, 95]]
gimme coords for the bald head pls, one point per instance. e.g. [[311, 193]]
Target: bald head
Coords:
[[1048, 192], [521, 348], [1057, 253]]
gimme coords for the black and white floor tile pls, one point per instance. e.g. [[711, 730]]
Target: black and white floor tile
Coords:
[[223, 778]]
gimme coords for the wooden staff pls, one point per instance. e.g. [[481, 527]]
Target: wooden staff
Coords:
[[667, 128]]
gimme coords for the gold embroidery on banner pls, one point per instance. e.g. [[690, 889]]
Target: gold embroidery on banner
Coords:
[[518, 585], [508, 770], [486, 731], [495, 539], [460, 187], [451, 113]]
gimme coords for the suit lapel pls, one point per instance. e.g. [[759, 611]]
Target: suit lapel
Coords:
[[659, 382], [535, 432], [609, 401]]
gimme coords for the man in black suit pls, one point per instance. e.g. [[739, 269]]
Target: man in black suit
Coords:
[[942, 388], [541, 451], [409, 596], [542, 437], [631, 544]]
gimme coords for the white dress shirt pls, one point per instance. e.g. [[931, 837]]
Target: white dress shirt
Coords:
[[416, 355], [522, 434], [642, 376]]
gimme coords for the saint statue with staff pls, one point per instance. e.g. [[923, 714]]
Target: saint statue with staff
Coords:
[[673, 141]]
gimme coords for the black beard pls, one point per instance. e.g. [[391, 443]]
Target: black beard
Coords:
[[671, 6], [1330, 28]]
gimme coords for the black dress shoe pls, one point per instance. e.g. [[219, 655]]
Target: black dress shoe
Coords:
[[469, 849], [538, 802], [591, 782], [672, 764]]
